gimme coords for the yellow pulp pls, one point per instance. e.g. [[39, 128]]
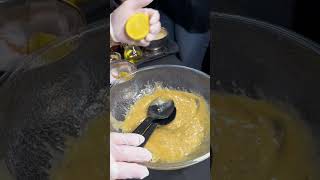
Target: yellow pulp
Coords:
[[137, 26]]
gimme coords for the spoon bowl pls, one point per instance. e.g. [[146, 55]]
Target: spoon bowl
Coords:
[[167, 120], [160, 111], [161, 108]]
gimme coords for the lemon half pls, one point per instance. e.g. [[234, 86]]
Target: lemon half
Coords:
[[137, 26]]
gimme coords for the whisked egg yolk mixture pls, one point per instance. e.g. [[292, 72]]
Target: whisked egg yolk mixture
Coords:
[[183, 136]]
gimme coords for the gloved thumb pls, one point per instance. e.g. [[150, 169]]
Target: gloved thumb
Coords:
[[138, 4]]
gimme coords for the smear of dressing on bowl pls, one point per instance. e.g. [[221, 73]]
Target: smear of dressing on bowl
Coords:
[[255, 139]]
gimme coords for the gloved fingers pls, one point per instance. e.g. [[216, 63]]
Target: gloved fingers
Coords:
[[154, 31], [155, 17], [153, 14], [131, 171], [143, 43], [155, 28], [126, 139], [114, 170], [131, 154], [129, 41], [137, 4]]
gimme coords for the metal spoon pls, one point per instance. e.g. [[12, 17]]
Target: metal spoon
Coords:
[[160, 111]]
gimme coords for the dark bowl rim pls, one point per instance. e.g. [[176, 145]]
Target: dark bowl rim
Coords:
[[297, 38]]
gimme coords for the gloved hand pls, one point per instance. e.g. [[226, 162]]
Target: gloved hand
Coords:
[[120, 16], [124, 156]]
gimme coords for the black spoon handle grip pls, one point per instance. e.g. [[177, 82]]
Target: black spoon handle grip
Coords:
[[143, 126], [148, 133]]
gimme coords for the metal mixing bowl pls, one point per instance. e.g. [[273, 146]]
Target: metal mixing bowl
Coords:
[[123, 95]]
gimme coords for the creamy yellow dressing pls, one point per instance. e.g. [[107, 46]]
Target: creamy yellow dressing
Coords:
[[173, 142], [256, 139], [85, 158]]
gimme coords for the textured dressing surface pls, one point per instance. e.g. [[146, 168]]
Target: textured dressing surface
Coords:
[[175, 141], [255, 139]]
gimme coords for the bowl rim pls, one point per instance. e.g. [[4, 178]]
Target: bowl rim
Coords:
[[116, 82], [166, 34], [181, 165], [178, 165], [171, 65]]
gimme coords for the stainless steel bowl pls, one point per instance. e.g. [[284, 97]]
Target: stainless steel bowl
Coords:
[[123, 95], [159, 42]]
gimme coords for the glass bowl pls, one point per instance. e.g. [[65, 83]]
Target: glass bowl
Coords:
[[124, 94]]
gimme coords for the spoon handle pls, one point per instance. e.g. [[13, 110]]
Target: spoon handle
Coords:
[[148, 133], [143, 126]]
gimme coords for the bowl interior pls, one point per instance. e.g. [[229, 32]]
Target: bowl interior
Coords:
[[124, 94]]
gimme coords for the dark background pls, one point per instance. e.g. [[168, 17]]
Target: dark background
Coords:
[[300, 16]]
